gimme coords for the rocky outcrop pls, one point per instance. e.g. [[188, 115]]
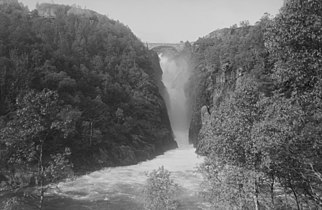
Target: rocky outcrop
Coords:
[[220, 59]]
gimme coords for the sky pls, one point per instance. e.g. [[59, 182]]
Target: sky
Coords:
[[172, 21]]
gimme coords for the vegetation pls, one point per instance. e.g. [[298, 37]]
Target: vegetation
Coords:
[[76, 89], [263, 89], [38, 118], [160, 191]]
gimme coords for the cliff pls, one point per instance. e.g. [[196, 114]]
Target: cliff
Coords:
[[220, 58]]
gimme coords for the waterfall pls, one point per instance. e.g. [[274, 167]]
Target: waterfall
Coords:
[[175, 77], [121, 187]]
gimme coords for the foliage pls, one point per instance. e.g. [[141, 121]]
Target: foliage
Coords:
[[220, 59], [59, 166], [294, 113], [160, 191], [10, 204], [29, 136], [264, 136], [226, 187], [233, 149], [104, 85]]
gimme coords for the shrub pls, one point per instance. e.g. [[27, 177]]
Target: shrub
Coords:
[[160, 191]]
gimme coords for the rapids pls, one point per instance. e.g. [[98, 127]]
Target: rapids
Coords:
[[121, 187]]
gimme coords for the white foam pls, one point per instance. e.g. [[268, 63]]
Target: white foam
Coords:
[[128, 181]]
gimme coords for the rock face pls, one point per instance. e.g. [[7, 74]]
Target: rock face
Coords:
[[199, 96], [220, 59]]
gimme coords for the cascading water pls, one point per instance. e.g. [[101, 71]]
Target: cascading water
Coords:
[[121, 187], [175, 77]]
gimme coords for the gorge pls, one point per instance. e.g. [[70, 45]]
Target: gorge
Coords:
[[122, 187], [88, 110]]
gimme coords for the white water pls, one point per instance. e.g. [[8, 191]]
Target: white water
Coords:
[[120, 185], [175, 76], [127, 180]]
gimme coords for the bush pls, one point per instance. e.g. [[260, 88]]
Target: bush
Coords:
[[160, 191], [10, 204]]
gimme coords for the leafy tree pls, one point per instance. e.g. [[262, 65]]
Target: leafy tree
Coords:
[[160, 191], [226, 186], [292, 117], [266, 121], [96, 65], [39, 118], [294, 41], [233, 148]]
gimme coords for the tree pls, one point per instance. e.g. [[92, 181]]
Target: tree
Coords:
[[226, 186], [233, 147], [294, 42], [39, 120], [96, 65], [265, 129], [292, 119], [160, 191]]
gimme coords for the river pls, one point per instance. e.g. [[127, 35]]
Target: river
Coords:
[[121, 188]]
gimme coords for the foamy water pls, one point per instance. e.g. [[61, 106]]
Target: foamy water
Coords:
[[121, 187], [129, 180]]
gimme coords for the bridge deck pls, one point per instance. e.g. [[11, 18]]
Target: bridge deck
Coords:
[[177, 46]]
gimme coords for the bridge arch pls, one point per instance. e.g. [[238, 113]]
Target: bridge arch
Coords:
[[159, 46]]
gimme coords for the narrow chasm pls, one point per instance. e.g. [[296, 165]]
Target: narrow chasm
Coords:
[[122, 187]]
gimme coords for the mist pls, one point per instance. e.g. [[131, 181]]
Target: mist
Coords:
[[176, 73]]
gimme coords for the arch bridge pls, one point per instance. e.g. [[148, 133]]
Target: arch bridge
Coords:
[[155, 46]]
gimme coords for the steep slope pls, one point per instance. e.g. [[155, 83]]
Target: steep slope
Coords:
[[103, 75], [257, 111], [219, 60]]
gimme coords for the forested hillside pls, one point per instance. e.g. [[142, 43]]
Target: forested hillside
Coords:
[[75, 87], [257, 112], [219, 60]]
